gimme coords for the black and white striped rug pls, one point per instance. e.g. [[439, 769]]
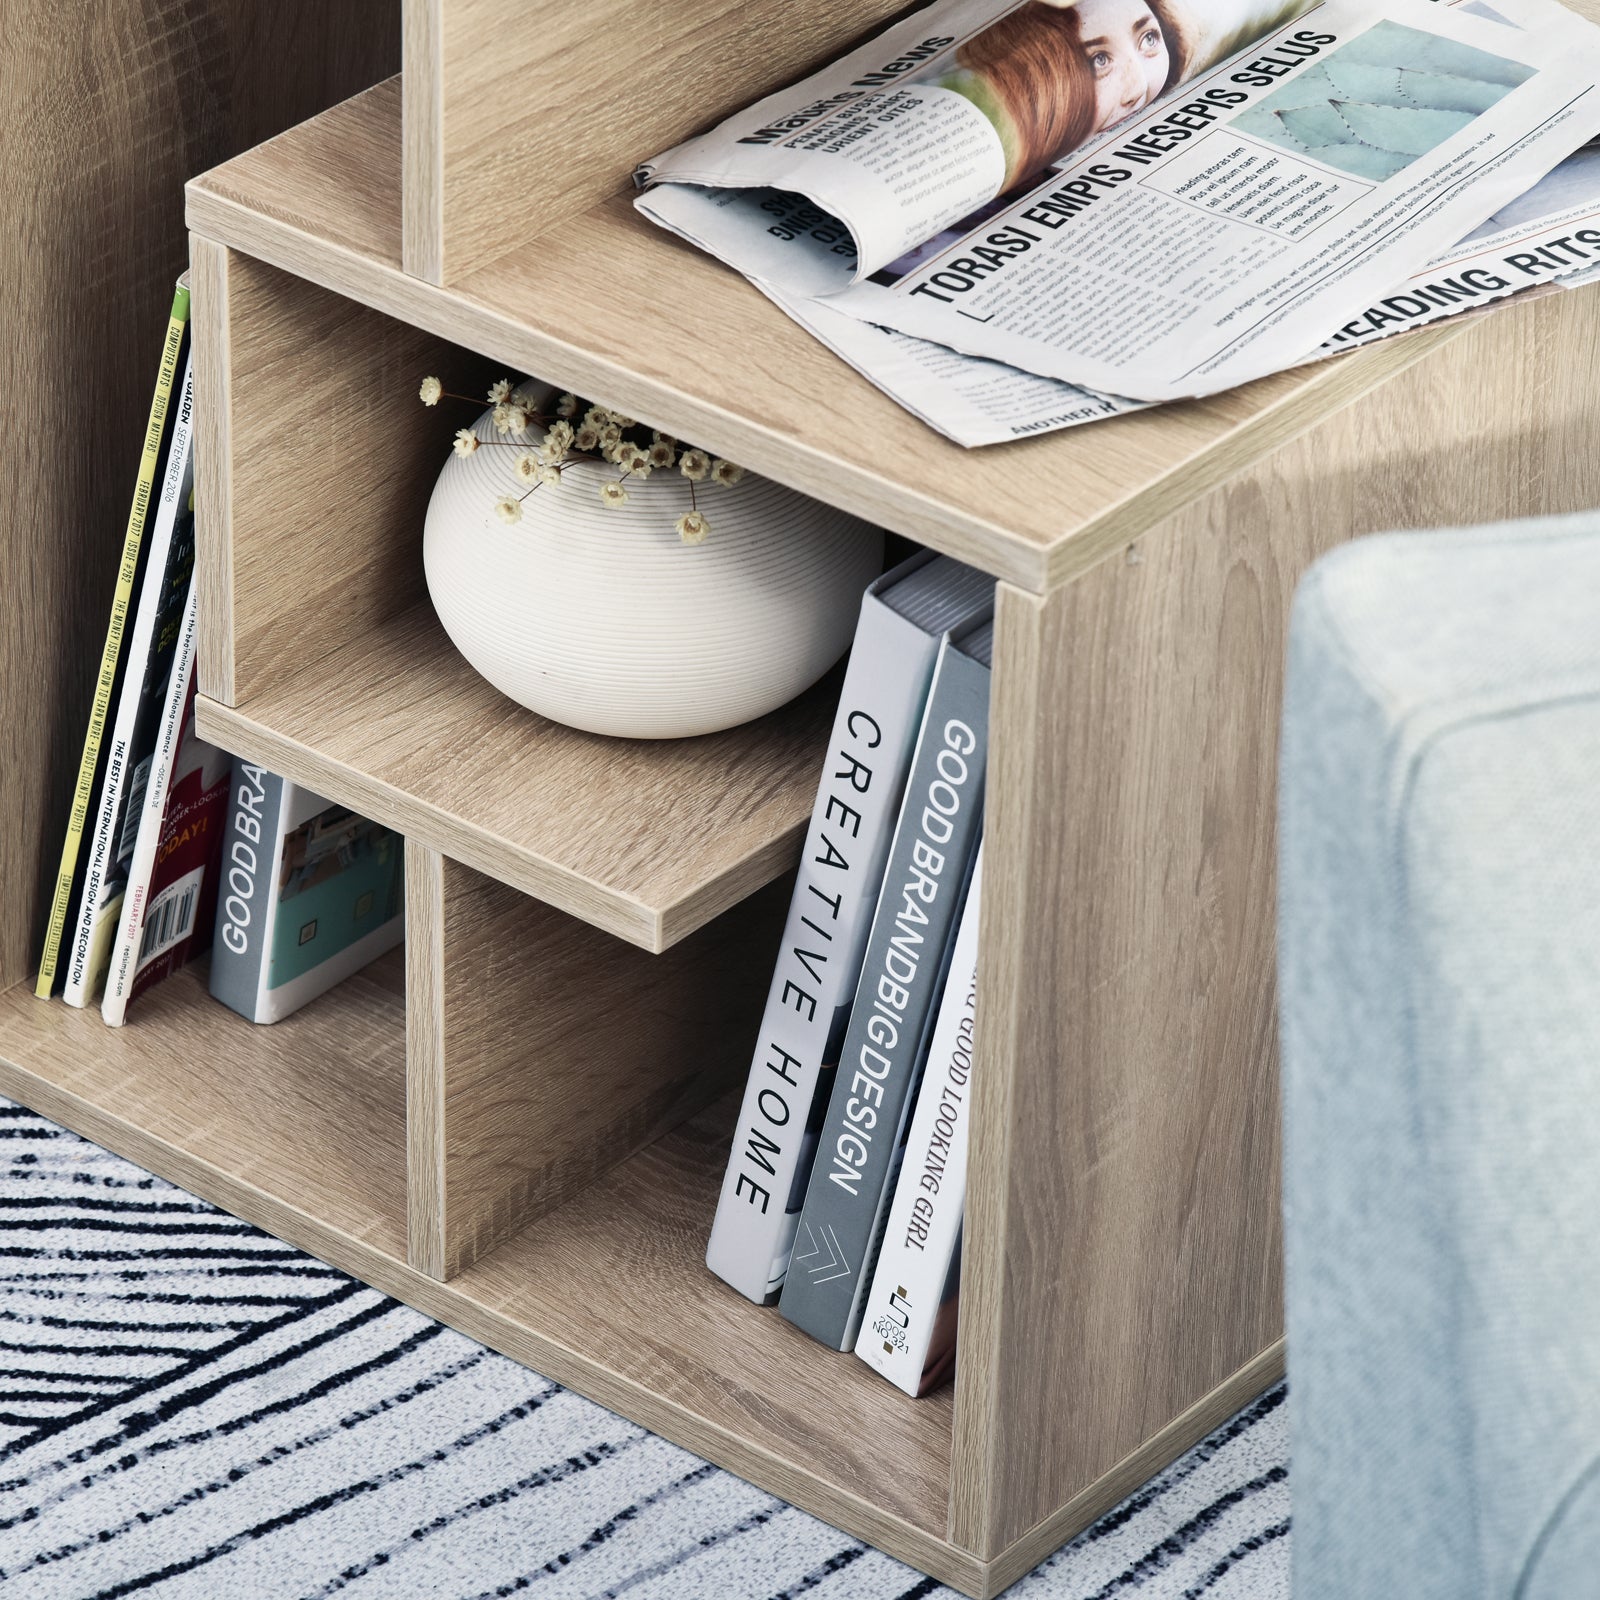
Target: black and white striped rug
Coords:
[[190, 1409]]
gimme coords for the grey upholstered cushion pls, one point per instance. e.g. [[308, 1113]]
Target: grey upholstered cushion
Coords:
[[1440, 995]]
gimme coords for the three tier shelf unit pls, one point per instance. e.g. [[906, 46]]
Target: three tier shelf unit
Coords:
[[521, 1126]]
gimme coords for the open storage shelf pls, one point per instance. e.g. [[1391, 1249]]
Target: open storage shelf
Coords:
[[322, 657], [300, 1127], [521, 1127], [610, 1293]]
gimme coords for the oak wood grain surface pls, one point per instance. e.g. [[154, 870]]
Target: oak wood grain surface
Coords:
[[543, 1052], [105, 110], [308, 1113], [706, 357], [647, 839], [425, 1060], [318, 463], [516, 117]]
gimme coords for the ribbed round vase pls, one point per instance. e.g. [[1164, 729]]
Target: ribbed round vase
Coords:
[[602, 617]]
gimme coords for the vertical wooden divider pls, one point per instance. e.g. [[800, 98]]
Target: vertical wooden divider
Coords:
[[502, 137], [1122, 1247], [425, 1087], [316, 461], [541, 1051]]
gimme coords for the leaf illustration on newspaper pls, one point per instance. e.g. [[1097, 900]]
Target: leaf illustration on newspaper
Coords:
[[1392, 44], [1378, 103], [1314, 127], [1445, 93], [1401, 130], [1355, 80]]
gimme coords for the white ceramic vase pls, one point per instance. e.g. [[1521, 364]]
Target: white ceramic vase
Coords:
[[603, 618]]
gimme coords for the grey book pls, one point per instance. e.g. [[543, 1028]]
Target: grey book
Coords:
[[249, 883], [908, 952], [904, 617]]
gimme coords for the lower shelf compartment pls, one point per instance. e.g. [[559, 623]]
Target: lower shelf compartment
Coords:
[[610, 1293], [299, 1127]]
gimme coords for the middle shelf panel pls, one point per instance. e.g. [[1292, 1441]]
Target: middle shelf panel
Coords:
[[645, 839]]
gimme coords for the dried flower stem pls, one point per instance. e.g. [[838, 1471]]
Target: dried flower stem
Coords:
[[606, 433]]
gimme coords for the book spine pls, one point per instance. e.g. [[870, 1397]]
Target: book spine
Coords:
[[111, 651], [141, 868], [100, 902], [908, 1323], [847, 1199], [247, 891], [819, 960]]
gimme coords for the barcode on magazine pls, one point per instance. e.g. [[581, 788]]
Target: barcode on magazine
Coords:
[[135, 809], [171, 916]]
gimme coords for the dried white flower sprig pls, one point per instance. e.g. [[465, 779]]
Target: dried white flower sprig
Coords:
[[576, 431]]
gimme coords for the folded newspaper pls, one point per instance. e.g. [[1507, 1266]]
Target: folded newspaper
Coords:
[[1015, 218]]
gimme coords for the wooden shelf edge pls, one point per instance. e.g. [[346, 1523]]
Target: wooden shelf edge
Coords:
[[446, 1302], [1182, 1433], [1326, 388], [117, 1133], [654, 929]]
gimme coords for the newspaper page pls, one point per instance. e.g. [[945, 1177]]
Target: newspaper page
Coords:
[[1550, 236], [966, 398], [934, 123], [1214, 237]]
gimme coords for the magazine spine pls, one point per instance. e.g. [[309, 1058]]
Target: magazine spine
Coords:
[[819, 960], [923, 1234], [130, 925], [248, 887], [155, 433], [98, 906], [847, 1198]]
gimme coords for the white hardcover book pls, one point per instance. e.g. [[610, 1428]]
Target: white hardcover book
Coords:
[[903, 616], [126, 773], [908, 1330], [130, 924]]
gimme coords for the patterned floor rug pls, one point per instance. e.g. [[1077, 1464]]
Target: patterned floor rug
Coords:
[[189, 1408]]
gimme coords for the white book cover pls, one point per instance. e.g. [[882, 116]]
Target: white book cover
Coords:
[[903, 616], [908, 1330], [100, 905]]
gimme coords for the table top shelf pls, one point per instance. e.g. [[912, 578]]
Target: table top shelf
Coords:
[[611, 306]]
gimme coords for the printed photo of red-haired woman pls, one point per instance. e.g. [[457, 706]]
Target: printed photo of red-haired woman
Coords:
[[1052, 74], [1056, 72]]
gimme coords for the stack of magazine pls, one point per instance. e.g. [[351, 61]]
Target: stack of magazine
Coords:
[[845, 1186], [1015, 216], [172, 849]]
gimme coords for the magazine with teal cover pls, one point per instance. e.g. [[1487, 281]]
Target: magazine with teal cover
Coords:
[[311, 894]]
